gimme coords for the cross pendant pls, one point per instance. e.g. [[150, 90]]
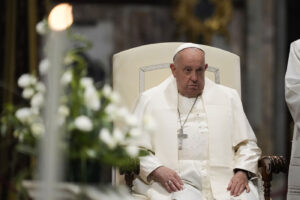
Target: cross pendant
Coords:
[[180, 137]]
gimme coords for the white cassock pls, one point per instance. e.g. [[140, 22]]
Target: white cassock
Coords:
[[219, 140], [292, 96]]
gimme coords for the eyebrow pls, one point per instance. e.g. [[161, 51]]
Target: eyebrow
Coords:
[[202, 66]]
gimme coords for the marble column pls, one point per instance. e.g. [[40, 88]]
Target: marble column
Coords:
[[264, 79]]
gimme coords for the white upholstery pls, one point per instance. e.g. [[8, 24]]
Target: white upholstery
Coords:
[[127, 64], [144, 60]]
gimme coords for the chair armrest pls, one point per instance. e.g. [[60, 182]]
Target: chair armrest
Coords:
[[270, 165], [130, 173], [129, 177]]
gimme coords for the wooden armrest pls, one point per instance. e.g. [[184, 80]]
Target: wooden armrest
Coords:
[[129, 177], [270, 165], [130, 173]]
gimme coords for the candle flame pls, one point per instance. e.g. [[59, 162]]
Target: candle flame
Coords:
[[61, 17]]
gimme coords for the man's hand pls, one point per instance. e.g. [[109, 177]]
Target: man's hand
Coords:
[[168, 178], [238, 184]]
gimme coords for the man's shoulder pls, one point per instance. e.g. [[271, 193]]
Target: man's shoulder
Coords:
[[222, 89], [227, 89]]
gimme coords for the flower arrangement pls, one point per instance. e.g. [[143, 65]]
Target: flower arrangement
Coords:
[[96, 127]]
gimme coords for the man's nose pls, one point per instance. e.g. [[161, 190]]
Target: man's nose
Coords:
[[194, 77]]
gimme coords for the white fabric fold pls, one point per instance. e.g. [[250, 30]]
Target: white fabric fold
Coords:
[[292, 96]]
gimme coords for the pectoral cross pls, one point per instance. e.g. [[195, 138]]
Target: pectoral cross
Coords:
[[180, 137]]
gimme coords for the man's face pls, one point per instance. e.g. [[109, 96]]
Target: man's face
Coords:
[[189, 70]]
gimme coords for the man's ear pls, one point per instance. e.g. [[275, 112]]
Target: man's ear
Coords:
[[205, 67], [173, 69]]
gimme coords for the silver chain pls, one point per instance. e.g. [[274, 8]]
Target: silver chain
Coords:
[[182, 125]]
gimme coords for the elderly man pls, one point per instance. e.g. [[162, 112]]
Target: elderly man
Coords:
[[204, 147]]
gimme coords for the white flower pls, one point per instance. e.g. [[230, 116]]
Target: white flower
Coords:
[[44, 66], [68, 59], [91, 98], [35, 111], [149, 123], [83, 123], [132, 151], [24, 114], [91, 153], [106, 137], [131, 120], [40, 87], [27, 93], [41, 27], [118, 135], [112, 95], [26, 80], [112, 111], [63, 110], [107, 90], [123, 113], [66, 78], [115, 97], [111, 108], [135, 132], [87, 82], [37, 100], [21, 137], [117, 113], [37, 129], [74, 189]]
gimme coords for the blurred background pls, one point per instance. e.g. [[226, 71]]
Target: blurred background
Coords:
[[260, 32]]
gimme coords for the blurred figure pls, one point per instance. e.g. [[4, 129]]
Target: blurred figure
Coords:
[[292, 96]]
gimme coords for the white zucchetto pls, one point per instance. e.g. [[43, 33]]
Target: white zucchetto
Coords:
[[185, 46]]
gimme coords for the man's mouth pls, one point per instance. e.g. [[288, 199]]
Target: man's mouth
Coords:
[[193, 86]]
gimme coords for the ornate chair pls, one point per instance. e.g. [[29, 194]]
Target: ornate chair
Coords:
[[146, 66]]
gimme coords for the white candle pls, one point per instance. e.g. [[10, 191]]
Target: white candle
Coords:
[[60, 19]]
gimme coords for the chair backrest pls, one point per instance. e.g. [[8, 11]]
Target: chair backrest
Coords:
[[141, 68]]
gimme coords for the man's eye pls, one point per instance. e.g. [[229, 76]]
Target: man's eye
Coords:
[[200, 69]]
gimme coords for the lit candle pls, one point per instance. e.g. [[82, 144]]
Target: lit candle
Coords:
[[60, 18]]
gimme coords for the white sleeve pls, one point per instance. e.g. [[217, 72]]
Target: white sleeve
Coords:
[[292, 82], [247, 156], [147, 165], [247, 153]]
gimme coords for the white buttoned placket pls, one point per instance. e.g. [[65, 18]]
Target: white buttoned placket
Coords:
[[194, 153]]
